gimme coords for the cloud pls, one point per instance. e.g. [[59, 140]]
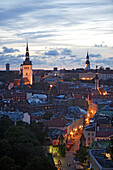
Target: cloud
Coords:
[[62, 58], [95, 55], [9, 50], [73, 56], [110, 58], [66, 52], [60, 24], [52, 52]]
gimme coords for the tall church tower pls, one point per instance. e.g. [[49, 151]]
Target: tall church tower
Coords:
[[96, 80], [27, 68], [87, 65]]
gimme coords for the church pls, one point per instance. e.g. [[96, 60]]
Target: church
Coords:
[[26, 69]]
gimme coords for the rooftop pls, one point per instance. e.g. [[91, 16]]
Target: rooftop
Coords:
[[99, 155]]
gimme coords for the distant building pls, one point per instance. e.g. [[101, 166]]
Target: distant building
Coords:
[[99, 159], [26, 68], [7, 67], [87, 65], [90, 74]]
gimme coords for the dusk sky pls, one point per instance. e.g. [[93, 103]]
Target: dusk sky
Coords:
[[59, 33]]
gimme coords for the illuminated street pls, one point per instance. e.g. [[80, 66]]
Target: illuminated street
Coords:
[[68, 159]]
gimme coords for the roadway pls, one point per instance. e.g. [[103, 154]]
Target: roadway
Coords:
[[68, 159]]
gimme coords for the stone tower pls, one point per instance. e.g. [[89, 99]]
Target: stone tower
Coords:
[[27, 68], [96, 80]]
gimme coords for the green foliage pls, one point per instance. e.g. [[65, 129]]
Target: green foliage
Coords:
[[6, 163], [15, 132], [20, 147], [47, 115], [38, 130], [44, 86], [40, 163], [62, 150], [23, 145], [5, 123], [81, 154], [5, 148]]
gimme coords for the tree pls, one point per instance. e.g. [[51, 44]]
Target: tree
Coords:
[[40, 163], [53, 91], [5, 148], [47, 115], [107, 68], [61, 146], [38, 130], [5, 123], [81, 154], [6, 163], [23, 145], [101, 68]]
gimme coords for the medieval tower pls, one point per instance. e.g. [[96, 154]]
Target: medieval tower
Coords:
[[26, 68]]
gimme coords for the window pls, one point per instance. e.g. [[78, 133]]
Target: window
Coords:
[[88, 134], [92, 134], [26, 67]]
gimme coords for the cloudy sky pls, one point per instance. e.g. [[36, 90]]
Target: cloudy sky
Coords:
[[59, 33]]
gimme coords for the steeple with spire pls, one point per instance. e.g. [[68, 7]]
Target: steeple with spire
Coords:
[[96, 79], [26, 68], [27, 52], [87, 65], [27, 60]]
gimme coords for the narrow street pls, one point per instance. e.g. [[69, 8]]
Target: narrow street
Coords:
[[68, 159]]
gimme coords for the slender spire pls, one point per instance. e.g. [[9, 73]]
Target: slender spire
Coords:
[[87, 65], [87, 56], [27, 52]]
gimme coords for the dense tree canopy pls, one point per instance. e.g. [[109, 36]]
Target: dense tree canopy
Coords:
[[81, 154], [5, 123], [20, 147]]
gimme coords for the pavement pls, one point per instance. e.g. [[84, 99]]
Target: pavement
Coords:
[[68, 159]]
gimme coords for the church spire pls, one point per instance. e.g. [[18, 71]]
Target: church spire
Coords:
[[27, 52], [87, 56], [87, 65], [96, 79]]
